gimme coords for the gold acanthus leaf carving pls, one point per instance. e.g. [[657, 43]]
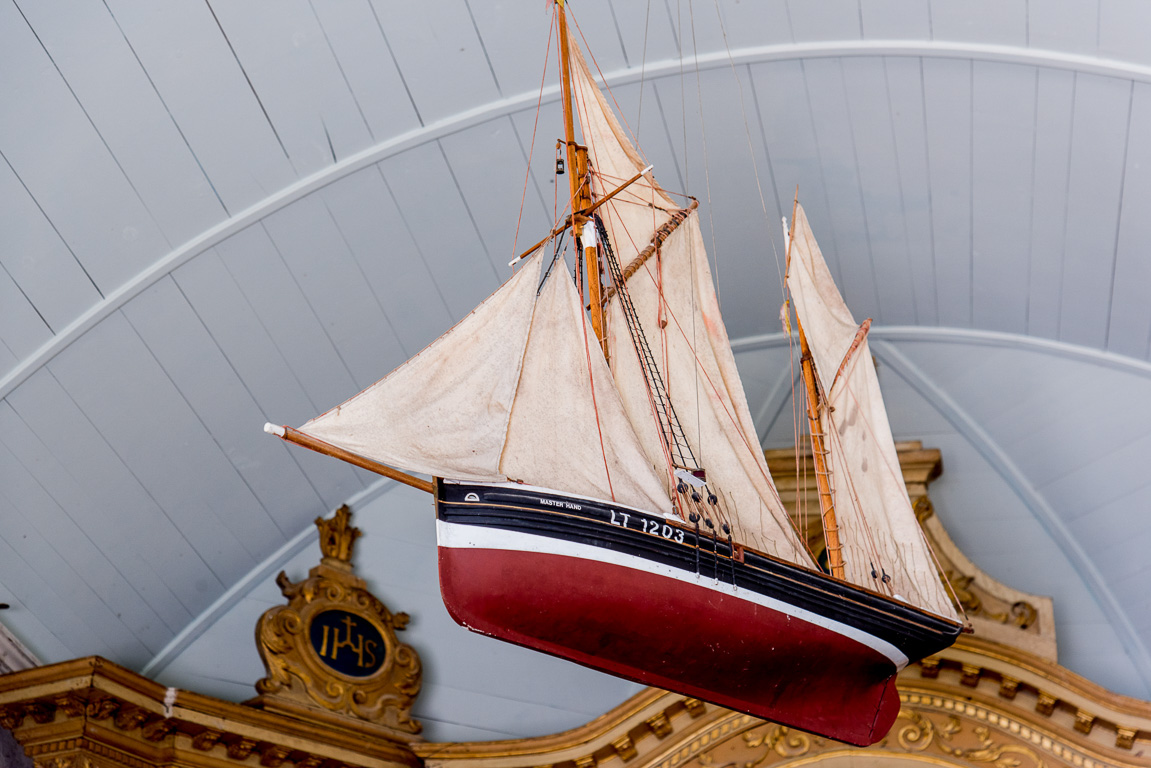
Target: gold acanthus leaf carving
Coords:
[[1021, 613], [921, 733]]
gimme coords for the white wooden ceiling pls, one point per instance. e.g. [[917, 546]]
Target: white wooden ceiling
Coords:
[[215, 213]]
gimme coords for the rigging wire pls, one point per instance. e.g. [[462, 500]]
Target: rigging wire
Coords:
[[535, 128]]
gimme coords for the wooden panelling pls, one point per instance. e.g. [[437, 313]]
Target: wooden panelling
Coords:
[[1100, 132], [205, 500], [1071, 26], [193, 68], [289, 62], [251, 350], [875, 150], [835, 20], [1121, 27], [947, 108], [1129, 323], [492, 184], [444, 227], [1054, 102], [39, 267], [392, 265], [106, 591], [905, 93], [998, 22], [784, 111], [1003, 141], [895, 19], [88, 47], [228, 413], [439, 54], [98, 492], [830, 116], [66, 165]]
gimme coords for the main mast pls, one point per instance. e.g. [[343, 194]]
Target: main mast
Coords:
[[578, 183]]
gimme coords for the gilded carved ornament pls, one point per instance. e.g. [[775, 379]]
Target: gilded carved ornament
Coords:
[[333, 647]]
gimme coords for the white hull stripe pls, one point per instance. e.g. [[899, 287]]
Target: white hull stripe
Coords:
[[481, 537]]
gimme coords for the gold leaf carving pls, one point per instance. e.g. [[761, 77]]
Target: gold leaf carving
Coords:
[[129, 718], [337, 535], [42, 711], [1000, 755], [206, 739], [660, 725], [101, 707], [158, 729], [241, 748], [305, 674], [11, 717]]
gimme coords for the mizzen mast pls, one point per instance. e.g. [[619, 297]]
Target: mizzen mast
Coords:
[[577, 162], [818, 446]]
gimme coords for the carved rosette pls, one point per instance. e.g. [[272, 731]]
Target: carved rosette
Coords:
[[334, 645]]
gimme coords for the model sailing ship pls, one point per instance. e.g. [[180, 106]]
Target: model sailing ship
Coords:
[[600, 492]]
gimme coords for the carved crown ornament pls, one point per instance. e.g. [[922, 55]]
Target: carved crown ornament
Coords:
[[332, 650]]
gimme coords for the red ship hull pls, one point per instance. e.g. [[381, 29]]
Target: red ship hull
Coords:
[[695, 633]]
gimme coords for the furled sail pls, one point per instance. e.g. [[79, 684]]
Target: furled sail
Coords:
[[876, 522], [513, 391], [674, 298]]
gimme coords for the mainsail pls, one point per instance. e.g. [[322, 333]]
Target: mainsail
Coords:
[[880, 534], [671, 289], [518, 390]]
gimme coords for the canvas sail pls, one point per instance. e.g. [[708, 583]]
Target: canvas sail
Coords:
[[568, 430], [510, 392], [876, 522], [640, 209], [674, 289]]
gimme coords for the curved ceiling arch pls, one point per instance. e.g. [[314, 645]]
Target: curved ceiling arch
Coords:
[[506, 106]]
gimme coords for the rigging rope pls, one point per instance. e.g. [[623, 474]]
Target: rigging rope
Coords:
[[535, 127]]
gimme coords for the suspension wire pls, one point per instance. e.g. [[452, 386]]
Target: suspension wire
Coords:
[[643, 66], [633, 135], [535, 128]]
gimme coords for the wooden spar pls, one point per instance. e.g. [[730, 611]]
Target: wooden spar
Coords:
[[818, 446], [568, 221], [577, 181], [319, 446]]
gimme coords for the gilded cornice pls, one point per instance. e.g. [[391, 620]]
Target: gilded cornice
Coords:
[[978, 703], [89, 713]]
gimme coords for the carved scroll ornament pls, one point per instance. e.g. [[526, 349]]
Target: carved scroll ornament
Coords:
[[334, 645]]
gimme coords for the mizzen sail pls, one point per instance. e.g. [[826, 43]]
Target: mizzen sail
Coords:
[[880, 534]]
